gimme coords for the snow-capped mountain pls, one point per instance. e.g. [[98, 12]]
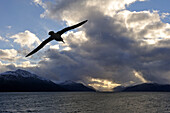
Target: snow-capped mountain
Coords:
[[21, 80], [21, 73]]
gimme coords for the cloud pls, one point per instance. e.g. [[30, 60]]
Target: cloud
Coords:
[[61, 9], [102, 84], [74, 38], [8, 54], [3, 39], [115, 45], [115, 42], [38, 2], [146, 25], [54, 46], [165, 15], [26, 64], [11, 66], [3, 67], [9, 27], [139, 76], [26, 39]]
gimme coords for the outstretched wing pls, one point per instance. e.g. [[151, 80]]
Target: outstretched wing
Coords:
[[40, 46], [71, 27]]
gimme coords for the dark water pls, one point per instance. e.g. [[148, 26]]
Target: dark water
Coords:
[[79, 102]]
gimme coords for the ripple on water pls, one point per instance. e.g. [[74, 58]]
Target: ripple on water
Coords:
[[85, 102]]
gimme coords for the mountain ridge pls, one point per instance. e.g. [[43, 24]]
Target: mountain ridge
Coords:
[[24, 81], [145, 87]]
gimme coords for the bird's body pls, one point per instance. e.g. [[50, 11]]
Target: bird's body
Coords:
[[55, 36]]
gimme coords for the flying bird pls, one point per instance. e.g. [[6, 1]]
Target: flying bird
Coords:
[[55, 36]]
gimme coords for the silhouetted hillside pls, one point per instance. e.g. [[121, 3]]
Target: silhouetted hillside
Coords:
[[24, 81], [21, 80], [73, 86], [148, 87]]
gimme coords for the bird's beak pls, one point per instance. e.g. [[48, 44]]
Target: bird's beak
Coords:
[[63, 41]]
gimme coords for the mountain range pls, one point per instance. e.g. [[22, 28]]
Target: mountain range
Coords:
[[24, 81], [145, 87]]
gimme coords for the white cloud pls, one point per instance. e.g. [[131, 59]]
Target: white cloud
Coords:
[[3, 67], [38, 2], [139, 76], [9, 27], [145, 25], [66, 49], [164, 15], [75, 38], [8, 54], [3, 39], [102, 84], [61, 9], [26, 38], [54, 46], [26, 64]]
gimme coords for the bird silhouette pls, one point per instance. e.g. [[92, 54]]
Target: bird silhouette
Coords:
[[55, 36]]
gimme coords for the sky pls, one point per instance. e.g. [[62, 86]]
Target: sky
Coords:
[[123, 43]]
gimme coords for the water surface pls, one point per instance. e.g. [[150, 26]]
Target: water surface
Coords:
[[85, 102]]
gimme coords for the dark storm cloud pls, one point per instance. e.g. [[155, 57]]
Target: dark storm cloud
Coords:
[[108, 49], [111, 52]]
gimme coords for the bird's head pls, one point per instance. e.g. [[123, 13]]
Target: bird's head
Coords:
[[51, 33]]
